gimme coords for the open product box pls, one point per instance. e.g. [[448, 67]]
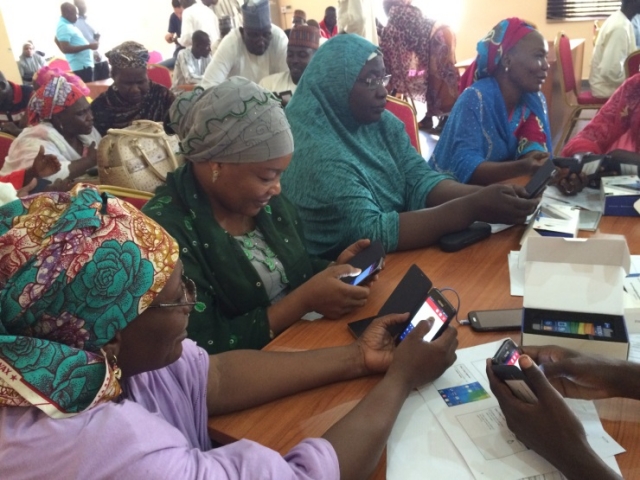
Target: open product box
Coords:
[[573, 293], [619, 194]]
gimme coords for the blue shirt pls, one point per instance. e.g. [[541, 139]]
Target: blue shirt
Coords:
[[635, 21], [68, 32]]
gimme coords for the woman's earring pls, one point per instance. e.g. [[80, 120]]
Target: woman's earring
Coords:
[[114, 366], [506, 69], [214, 176]]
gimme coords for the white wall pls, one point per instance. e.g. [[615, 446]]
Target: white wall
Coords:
[[144, 21]]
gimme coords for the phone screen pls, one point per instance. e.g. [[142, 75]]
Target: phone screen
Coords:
[[430, 309], [507, 354], [598, 329], [363, 276]]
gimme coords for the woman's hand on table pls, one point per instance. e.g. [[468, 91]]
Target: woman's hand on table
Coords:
[[549, 426], [416, 362], [578, 375], [501, 203], [326, 294]]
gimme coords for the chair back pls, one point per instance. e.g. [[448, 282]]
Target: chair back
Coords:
[[159, 74], [137, 198], [407, 114], [60, 63], [565, 60], [5, 143], [155, 57], [632, 64]]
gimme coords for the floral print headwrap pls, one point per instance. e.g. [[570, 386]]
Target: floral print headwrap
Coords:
[[75, 268]]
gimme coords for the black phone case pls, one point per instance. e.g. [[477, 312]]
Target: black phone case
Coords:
[[453, 242], [513, 327], [408, 296], [540, 179], [373, 253]]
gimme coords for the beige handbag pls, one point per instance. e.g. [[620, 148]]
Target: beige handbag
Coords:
[[137, 157]]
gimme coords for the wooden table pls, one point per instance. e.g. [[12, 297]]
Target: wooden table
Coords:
[[99, 87], [480, 275]]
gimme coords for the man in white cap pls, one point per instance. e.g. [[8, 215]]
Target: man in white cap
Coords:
[[304, 41], [253, 51], [198, 16]]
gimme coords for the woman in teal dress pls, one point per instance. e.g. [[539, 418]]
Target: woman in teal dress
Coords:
[[354, 173], [240, 241]]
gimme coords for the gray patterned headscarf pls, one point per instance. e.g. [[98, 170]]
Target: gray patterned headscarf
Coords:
[[234, 122]]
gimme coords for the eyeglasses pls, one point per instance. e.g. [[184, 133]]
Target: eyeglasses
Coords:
[[190, 295], [373, 83]]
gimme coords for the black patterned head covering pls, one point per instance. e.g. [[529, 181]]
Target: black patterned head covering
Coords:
[[128, 55], [234, 122]]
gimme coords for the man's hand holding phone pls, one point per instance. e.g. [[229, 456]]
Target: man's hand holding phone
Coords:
[[589, 377], [416, 362], [548, 426]]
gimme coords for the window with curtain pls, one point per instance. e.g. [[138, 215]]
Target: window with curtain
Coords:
[[580, 9]]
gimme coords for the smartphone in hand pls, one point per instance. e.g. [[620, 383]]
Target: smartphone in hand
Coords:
[[436, 306], [540, 179], [505, 366]]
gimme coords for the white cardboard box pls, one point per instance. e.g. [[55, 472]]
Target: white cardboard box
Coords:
[[553, 221], [576, 280]]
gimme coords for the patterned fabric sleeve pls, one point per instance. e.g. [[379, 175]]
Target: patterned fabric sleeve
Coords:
[[613, 120], [531, 136]]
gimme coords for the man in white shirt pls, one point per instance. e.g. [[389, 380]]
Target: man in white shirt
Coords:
[[192, 61], [228, 8], [304, 41], [198, 16], [616, 40], [359, 17], [254, 51]]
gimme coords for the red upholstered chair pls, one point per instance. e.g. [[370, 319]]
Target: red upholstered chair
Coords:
[[5, 143], [60, 63], [155, 57], [407, 114], [159, 74], [575, 99], [632, 64], [137, 198]]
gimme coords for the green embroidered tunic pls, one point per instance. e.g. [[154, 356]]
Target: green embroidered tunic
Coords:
[[232, 300]]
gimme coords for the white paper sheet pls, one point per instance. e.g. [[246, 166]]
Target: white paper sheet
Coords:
[[634, 347], [419, 448], [462, 403], [516, 275], [589, 198]]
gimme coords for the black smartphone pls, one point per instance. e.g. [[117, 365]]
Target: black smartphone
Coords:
[[540, 179], [495, 320], [436, 306], [369, 261], [452, 242], [505, 366], [408, 296]]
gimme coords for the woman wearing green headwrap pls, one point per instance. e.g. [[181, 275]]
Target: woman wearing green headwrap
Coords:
[[354, 173], [241, 241], [98, 381]]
